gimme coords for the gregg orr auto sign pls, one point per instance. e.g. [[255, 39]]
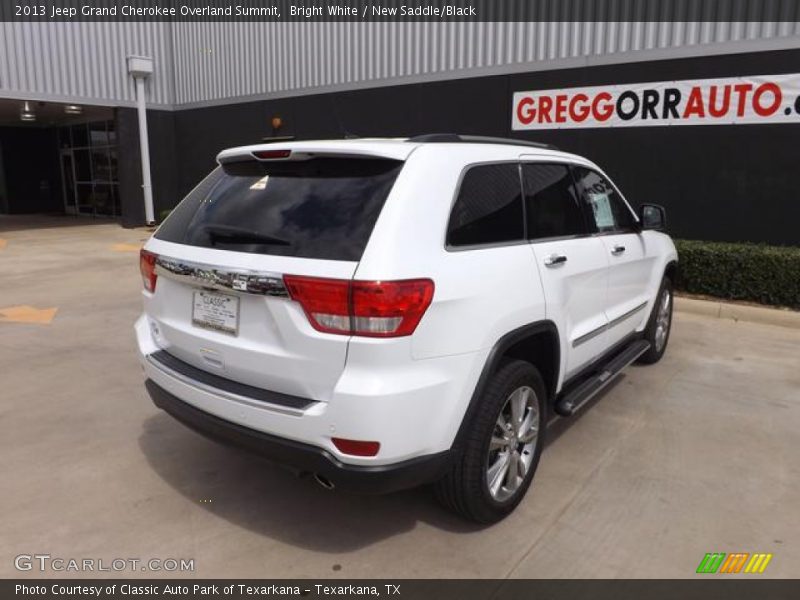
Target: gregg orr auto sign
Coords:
[[760, 99]]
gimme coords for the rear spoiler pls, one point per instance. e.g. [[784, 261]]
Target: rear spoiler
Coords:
[[286, 155], [283, 151]]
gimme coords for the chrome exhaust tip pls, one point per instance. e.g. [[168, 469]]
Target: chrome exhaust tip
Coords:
[[324, 481]]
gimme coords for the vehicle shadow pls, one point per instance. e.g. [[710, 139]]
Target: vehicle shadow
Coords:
[[266, 499], [271, 501]]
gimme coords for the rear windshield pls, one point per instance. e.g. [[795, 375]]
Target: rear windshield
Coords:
[[319, 208]]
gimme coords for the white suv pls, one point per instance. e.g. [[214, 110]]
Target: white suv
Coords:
[[391, 312]]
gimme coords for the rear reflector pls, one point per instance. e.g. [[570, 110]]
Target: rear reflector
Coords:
[[364, 308], [147, 265], [356, 447], [272, 154]]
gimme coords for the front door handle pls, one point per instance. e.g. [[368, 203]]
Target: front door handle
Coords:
[[617, 249], [554, 259]]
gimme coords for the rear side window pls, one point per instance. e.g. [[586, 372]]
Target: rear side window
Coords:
[[552, 205], [608, 209], [321, 208], [488, 208]]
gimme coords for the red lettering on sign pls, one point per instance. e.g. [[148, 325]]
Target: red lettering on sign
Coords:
[[694, 106], [602, 112], [526, 112], [721, 111], [742, 89], [545, 104], [579, 112], [777, 98], [561, 108]]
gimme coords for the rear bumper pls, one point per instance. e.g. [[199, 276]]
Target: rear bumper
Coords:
[[377, 479], [412, 407]]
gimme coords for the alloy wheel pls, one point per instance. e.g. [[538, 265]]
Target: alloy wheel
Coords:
[[511, 448], [663, 320]]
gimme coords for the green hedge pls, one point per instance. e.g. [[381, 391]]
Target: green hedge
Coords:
[[753, 272], [163, 215]]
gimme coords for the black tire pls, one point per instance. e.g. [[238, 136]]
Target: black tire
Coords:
[[465, 489], [657, 349]]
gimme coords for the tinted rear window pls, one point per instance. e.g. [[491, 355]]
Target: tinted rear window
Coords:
[[320, 208]]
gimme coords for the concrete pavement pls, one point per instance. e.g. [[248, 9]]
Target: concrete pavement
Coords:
[[700, 453]]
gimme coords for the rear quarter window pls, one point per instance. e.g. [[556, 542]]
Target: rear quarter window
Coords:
[[488, 207], [322, 208]]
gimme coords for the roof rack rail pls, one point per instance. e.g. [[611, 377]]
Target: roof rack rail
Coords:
[[455, 138]]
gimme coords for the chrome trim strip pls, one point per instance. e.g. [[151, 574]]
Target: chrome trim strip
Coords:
[[222, 393], [258, 283], [603, 328], [627, 315], [591, 335]]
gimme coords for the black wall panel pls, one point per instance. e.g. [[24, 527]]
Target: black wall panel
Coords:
[[718, 182], [201, 133], [32, 171], [164, 167], [731, 183]]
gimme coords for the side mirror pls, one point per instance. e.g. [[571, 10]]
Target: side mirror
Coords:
[[652, 216]]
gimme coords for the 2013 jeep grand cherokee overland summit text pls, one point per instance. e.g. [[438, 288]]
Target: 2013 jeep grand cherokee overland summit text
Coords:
[[388, 313]]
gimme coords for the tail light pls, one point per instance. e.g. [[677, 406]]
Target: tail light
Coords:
[[326, 302], [147, 265], [390, 308], [365, 308]]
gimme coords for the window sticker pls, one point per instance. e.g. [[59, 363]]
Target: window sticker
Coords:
[[601, 206], [261, 184]]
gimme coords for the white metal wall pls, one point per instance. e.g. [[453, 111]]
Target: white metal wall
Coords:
[[222, 60], [212, 62], [83, 61]]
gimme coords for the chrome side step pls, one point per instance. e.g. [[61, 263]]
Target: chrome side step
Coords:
[[568, 404]]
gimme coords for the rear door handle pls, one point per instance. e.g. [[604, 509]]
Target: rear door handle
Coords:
[[554, 259], [617, 249]]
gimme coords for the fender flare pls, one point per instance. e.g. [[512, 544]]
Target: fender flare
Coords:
[[495, 357], [674, 267]]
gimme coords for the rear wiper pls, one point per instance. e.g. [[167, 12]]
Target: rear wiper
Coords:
[[230, 234]]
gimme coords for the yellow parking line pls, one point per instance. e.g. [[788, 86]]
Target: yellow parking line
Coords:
[[126, 247], [27, 314]]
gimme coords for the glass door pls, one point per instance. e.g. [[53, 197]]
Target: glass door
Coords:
[[89, 169], [68, 182]]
